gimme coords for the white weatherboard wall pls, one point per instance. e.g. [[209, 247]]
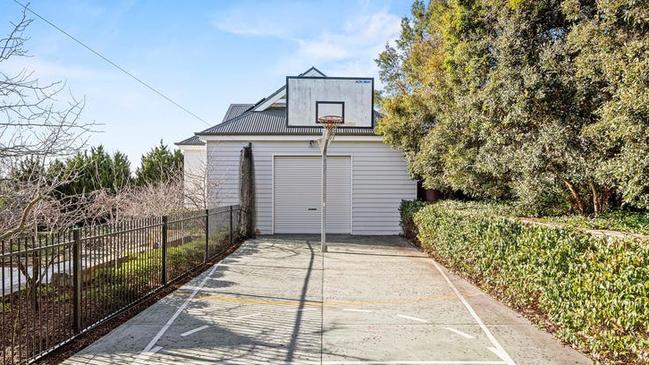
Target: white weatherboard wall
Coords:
[[194, 168], [379, 180]]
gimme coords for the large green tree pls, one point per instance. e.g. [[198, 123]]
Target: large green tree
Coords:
[[541, 101], [609, 43], [159, 164], [93, 170]]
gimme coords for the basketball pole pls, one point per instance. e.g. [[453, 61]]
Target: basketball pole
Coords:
[[323, 213], [328, 132]]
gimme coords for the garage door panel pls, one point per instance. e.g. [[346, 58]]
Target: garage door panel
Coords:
[[296, 189]]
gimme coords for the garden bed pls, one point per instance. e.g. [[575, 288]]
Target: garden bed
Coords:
[[36, 321]]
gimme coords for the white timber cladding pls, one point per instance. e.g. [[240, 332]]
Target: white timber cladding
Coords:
[[379, 179], [354, 94], [297, 194], [194, 170]]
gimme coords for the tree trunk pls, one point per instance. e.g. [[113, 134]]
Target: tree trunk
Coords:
[[577, 201], [247, 193], [597, 199], [600, 197]]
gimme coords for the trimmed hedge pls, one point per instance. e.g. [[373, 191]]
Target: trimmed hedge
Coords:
[[594, 291], [407, 210]]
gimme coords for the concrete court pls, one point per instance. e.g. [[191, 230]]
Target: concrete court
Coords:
[[369, 300]]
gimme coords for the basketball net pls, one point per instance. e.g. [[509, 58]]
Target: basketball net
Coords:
[[330, 124]]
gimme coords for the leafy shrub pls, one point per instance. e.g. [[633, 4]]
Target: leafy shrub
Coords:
[[595, 291], [617, 220], [407, 210], [185, 257], [129, 279]]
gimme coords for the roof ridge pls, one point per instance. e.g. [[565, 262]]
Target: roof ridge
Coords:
[[314, 69]]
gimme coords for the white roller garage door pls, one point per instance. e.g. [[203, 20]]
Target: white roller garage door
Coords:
[[296, 194]]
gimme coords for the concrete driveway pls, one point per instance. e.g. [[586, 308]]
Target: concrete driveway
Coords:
[[369, 300]]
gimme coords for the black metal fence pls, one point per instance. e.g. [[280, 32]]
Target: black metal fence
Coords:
[[58, 285]]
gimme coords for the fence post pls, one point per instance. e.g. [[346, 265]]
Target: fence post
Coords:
[[231, 228], [207, 233], [76, 280], [164, 250]]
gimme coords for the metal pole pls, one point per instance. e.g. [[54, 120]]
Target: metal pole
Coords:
[[323, 212], [207, 233], [76, 280], [164, 250]]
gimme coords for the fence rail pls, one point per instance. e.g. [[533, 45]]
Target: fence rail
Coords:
[[58, 285]]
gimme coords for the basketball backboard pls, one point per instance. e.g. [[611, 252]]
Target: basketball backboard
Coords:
[[349, 98]]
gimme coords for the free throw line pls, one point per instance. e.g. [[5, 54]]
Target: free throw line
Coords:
[[193, 331], [465, 335], [412, 318]]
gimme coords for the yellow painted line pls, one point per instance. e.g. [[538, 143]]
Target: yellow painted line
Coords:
[[243, 300], [315, 303]]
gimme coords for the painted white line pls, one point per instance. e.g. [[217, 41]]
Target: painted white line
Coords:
[[247, 316], [419, 362], [500, 351], [171, 320], [358, 310], [412, 318], [184, 334], [144, 356], [300, 310], [465, 335]]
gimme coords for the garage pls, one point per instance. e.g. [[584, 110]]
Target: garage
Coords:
[[296, 194]]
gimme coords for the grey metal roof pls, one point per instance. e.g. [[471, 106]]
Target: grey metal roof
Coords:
[[236, 110], [272, 121], [191, 141]]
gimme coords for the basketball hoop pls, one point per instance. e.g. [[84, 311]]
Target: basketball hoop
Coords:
[[330, 124]]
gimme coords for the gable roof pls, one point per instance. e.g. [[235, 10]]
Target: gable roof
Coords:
[[235, 110], [280, 93], [267, 118]]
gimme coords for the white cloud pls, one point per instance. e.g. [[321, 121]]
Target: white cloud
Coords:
[[349, 52], [261, 28], [263, 19], [340, 47], [325, 48]]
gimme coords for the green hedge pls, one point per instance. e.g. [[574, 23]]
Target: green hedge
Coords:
[[407, 210], [594, 291]]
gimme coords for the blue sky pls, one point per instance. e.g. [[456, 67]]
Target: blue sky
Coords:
[[203, 54]]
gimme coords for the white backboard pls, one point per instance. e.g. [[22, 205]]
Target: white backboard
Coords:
[[346, 97]]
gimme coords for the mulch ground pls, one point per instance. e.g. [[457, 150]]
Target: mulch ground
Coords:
[[62, 353]]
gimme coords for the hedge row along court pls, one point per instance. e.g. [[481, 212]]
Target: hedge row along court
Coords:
[[592, 291]]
